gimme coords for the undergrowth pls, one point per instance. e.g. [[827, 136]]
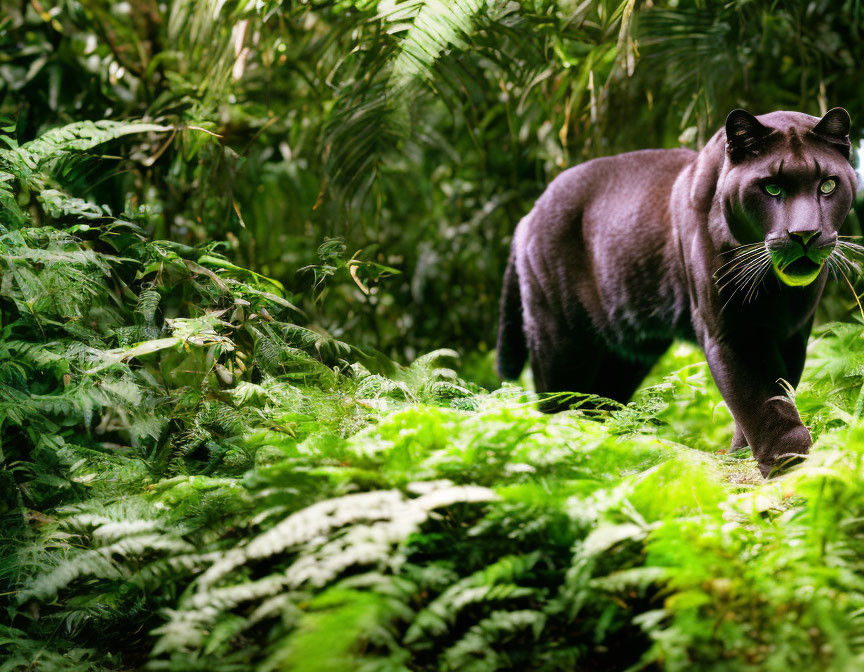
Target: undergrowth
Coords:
[[193, 480]]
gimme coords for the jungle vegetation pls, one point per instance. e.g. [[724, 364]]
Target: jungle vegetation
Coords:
[[250, 255]]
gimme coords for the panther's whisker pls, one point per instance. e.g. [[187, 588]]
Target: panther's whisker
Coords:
[[730, 274], [844, 262], [740, 254], [740, 275], [756, 278], [743, 278], [733, 274], [850, 247], [738, 287], [758, 286], [753, 262], [757, 282], [842, 254], [840, 264], [844, 266], [742, 266], [755, 273], [739, 259], [741, 248]]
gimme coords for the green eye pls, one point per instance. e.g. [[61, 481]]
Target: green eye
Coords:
[[773, 189], [828, 186]]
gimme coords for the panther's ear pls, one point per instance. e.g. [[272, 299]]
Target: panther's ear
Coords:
[[743, 133], [834, 128]]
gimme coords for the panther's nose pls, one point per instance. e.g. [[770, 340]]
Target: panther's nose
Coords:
[[803, 238]]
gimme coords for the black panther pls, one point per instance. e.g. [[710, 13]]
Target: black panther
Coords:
[[729, 247]]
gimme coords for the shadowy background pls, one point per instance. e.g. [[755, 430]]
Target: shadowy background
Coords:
[[375, 157]]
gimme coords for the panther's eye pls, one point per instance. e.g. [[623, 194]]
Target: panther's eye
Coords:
[[828, 186], [773, 189]]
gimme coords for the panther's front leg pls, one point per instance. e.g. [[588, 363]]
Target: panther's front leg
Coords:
[[748, 374], [794, 353]]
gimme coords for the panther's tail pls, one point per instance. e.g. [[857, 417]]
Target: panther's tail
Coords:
[[512, 350]]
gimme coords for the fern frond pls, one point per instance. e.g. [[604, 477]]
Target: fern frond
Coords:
[[480, 649], [100, 563], [493, 584]]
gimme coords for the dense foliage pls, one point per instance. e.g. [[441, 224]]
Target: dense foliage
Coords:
[[208, 459], [419, 132]]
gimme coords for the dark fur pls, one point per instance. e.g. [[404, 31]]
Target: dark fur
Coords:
[[620, 255]]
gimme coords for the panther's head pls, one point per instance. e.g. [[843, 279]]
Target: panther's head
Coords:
[[785, 187]]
